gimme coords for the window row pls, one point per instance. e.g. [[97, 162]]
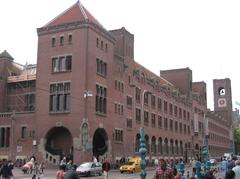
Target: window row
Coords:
[[62, 63], [118, 108], [101, 45], [61, 40], [161, 105], [168, 124], [59, 97], [101, 67], [119, 85], [101, 99], [118, 135], [29, 102]]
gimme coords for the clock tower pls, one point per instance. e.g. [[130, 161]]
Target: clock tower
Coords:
[[223, 98]]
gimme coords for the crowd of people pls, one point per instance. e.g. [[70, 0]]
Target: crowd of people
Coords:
[[66, 170], [229, 169]]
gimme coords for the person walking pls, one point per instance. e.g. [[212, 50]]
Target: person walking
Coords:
[[162, 171], [236, 169], [6, 171], [60, 173]]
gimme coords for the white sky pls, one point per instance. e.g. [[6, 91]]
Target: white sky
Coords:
[[202, 35]]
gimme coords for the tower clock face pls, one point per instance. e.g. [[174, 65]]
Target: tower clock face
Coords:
[[221, 91], [222, 102]]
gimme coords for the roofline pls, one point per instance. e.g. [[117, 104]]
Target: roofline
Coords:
[[61, 14]]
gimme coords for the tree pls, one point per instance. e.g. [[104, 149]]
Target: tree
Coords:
[[237, 140]]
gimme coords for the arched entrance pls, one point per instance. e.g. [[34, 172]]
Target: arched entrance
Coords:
[[100, 140], [59, 142]]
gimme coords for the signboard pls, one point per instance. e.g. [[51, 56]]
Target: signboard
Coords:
[[19, 149]]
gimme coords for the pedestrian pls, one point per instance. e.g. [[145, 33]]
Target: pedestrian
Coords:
[[63, 161], [6, 171], [224, 166], [69, 165], [162, 171], [71, 174], [60, 173], [41, 168], [236, 169]]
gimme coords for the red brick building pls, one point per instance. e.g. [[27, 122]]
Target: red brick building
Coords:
[[88, 96]]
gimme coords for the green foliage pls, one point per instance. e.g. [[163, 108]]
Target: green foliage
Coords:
[[237, 140]]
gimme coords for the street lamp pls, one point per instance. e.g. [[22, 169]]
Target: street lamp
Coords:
[[143, 149]]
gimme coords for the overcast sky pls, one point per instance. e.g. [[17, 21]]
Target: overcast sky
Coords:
[[202, 35]]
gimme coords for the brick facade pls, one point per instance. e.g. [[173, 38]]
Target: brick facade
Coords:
[[91, 98]]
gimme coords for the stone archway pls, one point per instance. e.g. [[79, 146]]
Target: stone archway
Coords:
[[59, 141], [100, 142]]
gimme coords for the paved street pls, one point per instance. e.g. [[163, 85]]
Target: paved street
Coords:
[[113, 174], [51, 174]]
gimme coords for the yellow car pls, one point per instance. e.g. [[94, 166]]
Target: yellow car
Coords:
[[133, 165]]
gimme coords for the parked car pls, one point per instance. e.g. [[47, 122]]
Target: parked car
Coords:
[[90, 169]]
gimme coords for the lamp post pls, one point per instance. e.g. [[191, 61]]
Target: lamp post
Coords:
[[143, 149]]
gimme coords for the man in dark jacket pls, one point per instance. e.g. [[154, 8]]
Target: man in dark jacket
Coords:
[[6, 171]]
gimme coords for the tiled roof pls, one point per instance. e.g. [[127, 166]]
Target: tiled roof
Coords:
[[5, 54], [73, 14]]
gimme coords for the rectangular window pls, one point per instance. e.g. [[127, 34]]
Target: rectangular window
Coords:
[[118, 135], [61, 40], [101, 67], [59, 97], [159, 122], [97, 42], [29, 102], [180, 127], [69, 38], [153, 102], [4, 137], [138, 91], [170, 109], [129, 123], [101, 44], [175, 111], [176, 126], [53, 41], [101, 99], [188, 116], [24, 132], [165, 123], [146, 118], [138, 116], [185, 128], [145, 98], [171, 124], [165, 106], [129, 101], [106, 47], [61, 64], [153, 116], [159, 104], [180, 113]]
